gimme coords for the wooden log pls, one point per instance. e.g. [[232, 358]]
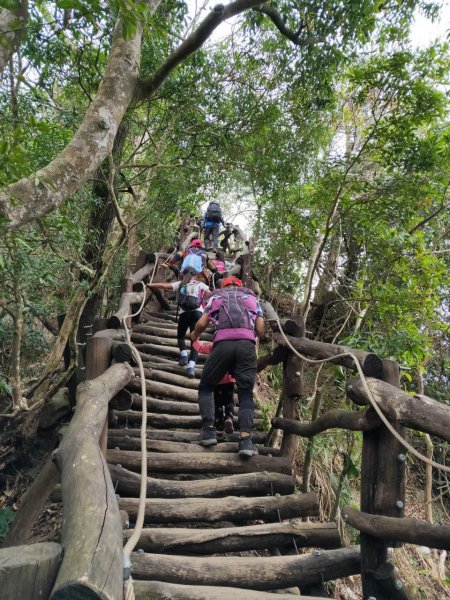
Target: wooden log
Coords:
[[292, 390], [334, 418], [29, 572], [170, 378], [261, 573], [392, 529], [98, 359], [417, 412], [220, 463], [390, 583], [169, 367], [126, 301], [142, 273], [144, 590], [371, 364], [134, 443], [140, 338], [121, 352], [238, 539], [250, 484], [164, 389], [142, 332], [164, 350], [229, 508], [175, 421], [274, 357], [91, 530], [159, 321], [259, 437], [170, 407], [31, 504]]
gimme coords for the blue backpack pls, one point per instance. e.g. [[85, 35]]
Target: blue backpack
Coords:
[[193, 260]]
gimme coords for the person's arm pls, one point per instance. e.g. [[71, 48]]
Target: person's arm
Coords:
[[259, 327], [200, 327], [211, 266], [160, 286]]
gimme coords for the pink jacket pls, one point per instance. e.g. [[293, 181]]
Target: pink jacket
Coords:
[[205, 348]]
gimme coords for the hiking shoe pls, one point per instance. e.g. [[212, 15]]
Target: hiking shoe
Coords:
[[247, 447], [207, 436], [220, 435], [183, 360], [190, 372], [228, 426]]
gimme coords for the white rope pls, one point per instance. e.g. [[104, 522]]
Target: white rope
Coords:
[[372, 401], [134, 537]]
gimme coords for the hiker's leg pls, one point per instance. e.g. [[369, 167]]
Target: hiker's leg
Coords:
[[218, 408], [194, 316], [183, 324], [215, 236], [216, 365], [244, 371]]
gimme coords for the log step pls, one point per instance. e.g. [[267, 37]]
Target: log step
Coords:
[[134, 443], [127, 483], [259, 437], [214, 462], [261, 573], [164, 421], [165, 377], [178, 540], [143, 590], [164, 389], [164, 350], [229, 508], [174, 407]]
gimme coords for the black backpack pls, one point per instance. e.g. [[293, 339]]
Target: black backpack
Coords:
[[214, 213]]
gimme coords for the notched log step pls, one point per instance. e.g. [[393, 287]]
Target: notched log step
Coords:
[[144, 590], [252, 573], [259, 437], [165, 421], [238, 539], [231, 508], [128, 483], [134, 443], [215, 462]]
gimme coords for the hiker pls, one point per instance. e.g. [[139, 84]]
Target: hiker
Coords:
[[190, 296], [193, 259], [239, 238], [212, 220], [223, 397], [239, 321]]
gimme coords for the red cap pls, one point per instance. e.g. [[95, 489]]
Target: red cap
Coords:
[[231, 281], [196, 244]]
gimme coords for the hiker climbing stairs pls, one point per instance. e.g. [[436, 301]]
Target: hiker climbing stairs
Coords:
[[204, 503]]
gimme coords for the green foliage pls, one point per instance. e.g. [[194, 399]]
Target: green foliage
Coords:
[[6, 518]]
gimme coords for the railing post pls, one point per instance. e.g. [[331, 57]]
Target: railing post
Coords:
[[382, 490]]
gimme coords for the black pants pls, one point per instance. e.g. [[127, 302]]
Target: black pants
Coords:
[[223, 404], [187, 320], [237, 357]]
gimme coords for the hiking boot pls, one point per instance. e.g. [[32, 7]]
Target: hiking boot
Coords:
[[190, 372], [183, 360], [220, 435], [207, 436], [247, 447], [228, 426]]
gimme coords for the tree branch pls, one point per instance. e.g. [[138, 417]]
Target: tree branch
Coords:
[[146, 87], [294, 37], [11, 30]]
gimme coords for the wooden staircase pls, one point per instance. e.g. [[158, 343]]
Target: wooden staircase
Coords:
[[216, 524]]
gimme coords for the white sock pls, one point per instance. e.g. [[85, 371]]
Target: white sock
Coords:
[[191, 364], [183, 353]]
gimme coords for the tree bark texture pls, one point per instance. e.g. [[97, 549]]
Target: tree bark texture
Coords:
[[332, 419], [28, 572], [249, 484], [417, 412], [238, 539], [144, 590], [12, 30], [259, 573], [371, 364], [91, 531], [229, 508], [392, 529]]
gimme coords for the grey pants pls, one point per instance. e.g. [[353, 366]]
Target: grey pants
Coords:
[[214, 231]]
